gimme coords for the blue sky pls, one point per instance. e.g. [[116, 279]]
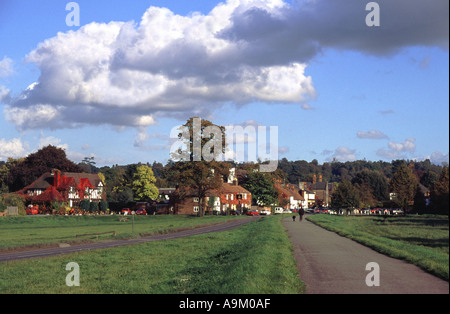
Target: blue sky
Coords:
[[115, 86]]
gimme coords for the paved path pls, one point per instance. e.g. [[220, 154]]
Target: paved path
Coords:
[[110, 244], [331, 264]]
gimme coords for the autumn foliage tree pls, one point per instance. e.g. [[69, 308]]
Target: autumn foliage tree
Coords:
[[440, 193], [34, 165], [404, 185]]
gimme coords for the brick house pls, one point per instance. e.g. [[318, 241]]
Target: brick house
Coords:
[[228, 196], [289, 196], [234, 197], [186, 202]]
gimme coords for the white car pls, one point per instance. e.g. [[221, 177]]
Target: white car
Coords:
[[264, 212], [278, 210]]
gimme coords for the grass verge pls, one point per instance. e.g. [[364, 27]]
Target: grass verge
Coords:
[[253, 259], [419, 240], [46, 231]]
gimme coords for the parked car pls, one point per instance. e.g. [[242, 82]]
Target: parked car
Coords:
[[287, 211], [126, 211], [32, 210], [141, 212], [252, 213], [398, 211], [278, 210], [264, 212]]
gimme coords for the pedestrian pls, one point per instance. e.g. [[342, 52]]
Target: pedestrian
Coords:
[[301, 212], [293, 218]]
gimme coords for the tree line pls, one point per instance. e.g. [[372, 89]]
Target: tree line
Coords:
[[357, 183]]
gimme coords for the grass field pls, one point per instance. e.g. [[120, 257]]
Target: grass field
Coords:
[[42, 231], [420, 240], [252, 259]]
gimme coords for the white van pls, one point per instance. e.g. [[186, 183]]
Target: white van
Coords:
[[278, 210]]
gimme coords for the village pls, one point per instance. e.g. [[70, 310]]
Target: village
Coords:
[[74, 189], [234, 189]]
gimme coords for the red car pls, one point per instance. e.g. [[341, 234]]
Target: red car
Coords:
[[252, 213], [126, 211], [32, 210], [141, 212]]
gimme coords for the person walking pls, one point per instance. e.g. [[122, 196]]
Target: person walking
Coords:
[[301, 212]]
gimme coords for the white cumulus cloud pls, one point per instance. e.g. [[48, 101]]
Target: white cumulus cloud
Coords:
[[128, 74], [13, 148], [343, 153], [6, 67], [398, 150]]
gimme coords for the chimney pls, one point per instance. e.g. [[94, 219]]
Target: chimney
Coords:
[[301, 185], [56, 177], [314, 179], [320, 178]]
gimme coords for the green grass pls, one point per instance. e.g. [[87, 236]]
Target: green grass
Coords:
[[42, 231], [420, 240], [252, 259]]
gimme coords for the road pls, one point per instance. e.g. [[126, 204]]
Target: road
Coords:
[[110, 244], [331, 264]]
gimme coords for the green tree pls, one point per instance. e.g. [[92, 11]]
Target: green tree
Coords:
[[375, 181], [200, 177], [5, 170], [345, 196], [261, 186], [197, 167], [440, 193], [125, 196], [144, 184], [13, 200], [404, 185], [420, 205]]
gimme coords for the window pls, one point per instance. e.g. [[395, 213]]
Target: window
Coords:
[[231, 196], [196, 209], [196, 199]]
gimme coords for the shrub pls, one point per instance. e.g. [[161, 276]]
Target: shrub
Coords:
[[93, 207], [13, 200], [103, 206], [85, 205]]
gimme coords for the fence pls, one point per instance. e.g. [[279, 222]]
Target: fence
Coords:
[[12, 211]]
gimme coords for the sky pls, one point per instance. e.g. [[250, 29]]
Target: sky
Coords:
[[115, 86]]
